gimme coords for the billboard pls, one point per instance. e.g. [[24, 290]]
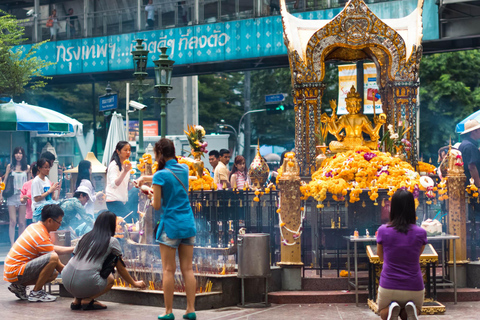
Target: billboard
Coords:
[[150, 129], [347, 76]]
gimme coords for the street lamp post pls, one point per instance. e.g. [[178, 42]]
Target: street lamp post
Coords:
[[246, 144], [163, 81], [140, 56], [222, 125]]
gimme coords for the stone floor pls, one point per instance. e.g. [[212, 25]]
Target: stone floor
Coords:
[[14, 309]]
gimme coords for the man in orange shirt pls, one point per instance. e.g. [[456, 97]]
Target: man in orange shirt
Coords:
[[33, 259]]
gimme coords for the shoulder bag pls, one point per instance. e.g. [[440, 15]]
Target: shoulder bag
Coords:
[[109, 264], [9, 190], [49, 23]]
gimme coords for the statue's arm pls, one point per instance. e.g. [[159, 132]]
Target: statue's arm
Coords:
[[372, 132], [337, 127], [332, 125], [379, 121]]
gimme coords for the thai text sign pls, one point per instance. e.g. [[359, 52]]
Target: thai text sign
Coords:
[[208, 43]]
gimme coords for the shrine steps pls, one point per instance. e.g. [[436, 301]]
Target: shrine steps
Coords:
[[344, 296]]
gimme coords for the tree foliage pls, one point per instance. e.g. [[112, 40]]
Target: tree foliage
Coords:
[[279, 129], [18, 69], [220, 96], [449, 92]]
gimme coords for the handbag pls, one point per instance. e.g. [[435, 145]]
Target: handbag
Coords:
[[109, 264], [9, 190], [50, 23]]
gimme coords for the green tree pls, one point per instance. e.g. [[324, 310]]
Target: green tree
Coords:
[[449, 92], [18, 69], [220, 96], [276, 129], [279, 129]]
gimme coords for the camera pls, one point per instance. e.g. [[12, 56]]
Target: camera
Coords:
[[30, 13], [137, 105]]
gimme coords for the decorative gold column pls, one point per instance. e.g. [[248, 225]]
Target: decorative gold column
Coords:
[[457, 217], [290, 213], [146, 212]]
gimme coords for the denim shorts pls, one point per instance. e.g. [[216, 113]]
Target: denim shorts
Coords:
[[174, 243]]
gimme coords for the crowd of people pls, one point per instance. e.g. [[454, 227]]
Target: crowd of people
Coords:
[[237, 177], [34, 260]]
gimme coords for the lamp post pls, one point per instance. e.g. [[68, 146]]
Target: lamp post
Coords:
[[140, 56], [222, 125], [163, 80]]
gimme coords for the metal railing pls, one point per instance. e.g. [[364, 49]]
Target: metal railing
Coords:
[[168, 14]]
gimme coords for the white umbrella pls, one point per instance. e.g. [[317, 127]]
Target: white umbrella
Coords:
[[116, 133]]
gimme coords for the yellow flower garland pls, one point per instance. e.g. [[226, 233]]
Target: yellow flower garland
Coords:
[[352, 171], [203, 183], [426, 167]]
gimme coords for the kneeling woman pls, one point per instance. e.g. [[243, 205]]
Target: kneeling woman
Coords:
[[399, 245], [82, 276]]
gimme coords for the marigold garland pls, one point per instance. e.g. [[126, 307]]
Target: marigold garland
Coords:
[[426, 167], [472, 190], [360, 169], [203, 183], [442, 190]]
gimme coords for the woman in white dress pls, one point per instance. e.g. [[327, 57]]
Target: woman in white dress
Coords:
[[20, 171]]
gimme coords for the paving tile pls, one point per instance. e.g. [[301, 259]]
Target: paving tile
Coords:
[[13, 309]]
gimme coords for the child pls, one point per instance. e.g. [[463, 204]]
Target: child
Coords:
[[239, 176]]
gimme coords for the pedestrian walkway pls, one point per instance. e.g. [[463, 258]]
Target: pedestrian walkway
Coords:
[[14, 309]]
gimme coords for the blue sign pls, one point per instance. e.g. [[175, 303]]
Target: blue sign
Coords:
[[107, 102], [208, 43], [274, 98]]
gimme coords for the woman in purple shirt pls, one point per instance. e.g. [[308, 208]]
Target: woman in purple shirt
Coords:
[[399, 245]]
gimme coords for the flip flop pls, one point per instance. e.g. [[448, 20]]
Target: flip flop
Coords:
[[74, 306], [93, 306]]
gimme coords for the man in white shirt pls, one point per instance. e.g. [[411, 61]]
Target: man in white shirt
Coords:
[[221, 170], [150, 14]]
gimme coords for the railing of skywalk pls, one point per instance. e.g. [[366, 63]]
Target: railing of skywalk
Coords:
[[167, 14]]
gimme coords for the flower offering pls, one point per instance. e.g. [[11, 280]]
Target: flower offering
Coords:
[[195, 135], [362, 169]]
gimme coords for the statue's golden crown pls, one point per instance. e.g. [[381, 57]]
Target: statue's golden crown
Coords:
[[353, 94]]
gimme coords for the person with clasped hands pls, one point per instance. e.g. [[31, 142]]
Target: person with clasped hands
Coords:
[[399, 245]]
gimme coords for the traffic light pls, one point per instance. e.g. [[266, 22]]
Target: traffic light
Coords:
[[275, 108]]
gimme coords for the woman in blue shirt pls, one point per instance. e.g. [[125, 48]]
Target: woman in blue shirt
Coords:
[[177, 225]]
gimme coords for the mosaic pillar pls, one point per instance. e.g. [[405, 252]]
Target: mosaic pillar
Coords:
[[290, 215], [457, 215]]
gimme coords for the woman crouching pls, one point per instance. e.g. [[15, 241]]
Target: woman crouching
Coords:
[[83, 276]]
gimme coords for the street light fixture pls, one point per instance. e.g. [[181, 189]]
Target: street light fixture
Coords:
[[163, 80], [140, 56], [222, 126]]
